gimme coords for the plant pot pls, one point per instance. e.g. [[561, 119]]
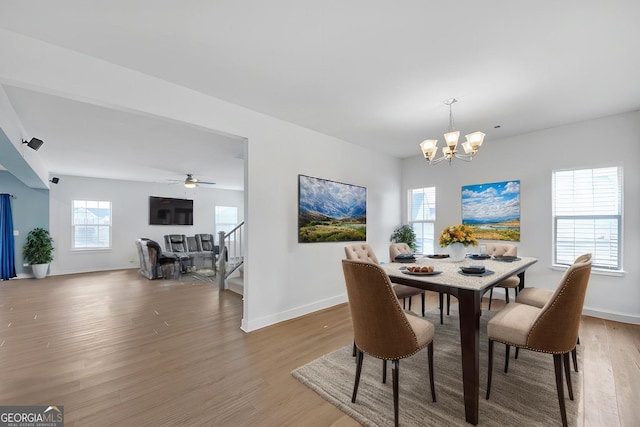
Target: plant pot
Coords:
[[40, 270], [457, 252]]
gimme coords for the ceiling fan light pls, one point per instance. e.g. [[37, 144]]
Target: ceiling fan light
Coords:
[[189, 184]]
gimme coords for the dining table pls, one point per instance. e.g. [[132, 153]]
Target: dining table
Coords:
[[448, 278]]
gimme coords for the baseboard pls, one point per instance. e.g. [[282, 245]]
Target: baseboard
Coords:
[[616, 317], [293, 313]]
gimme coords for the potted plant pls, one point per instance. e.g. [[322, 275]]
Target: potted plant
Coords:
[[38, 251], [405, 234]]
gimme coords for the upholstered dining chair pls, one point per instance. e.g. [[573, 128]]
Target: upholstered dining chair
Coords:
[[538, 297], [402, 291], [380, 326], [504, 249], [550, 329], [363, 251], [396, 249]]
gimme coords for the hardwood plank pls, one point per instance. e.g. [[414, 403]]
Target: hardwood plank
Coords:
[[117, 349]]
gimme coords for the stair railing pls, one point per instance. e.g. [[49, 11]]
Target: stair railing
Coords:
[[231, 253]]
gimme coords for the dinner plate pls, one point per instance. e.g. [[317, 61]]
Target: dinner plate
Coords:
[[506, 258], [421, 273], [438, 256], [485, 273], [473, 269], [479, 256], [405, 260]]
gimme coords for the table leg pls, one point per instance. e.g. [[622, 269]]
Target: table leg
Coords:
[[469, 307]]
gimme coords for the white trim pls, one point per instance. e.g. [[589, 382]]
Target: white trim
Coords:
[[292, 313], [617, 317]]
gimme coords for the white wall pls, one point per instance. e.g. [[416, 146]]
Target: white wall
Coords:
[[130, 219], [531, 158], [283, 279]]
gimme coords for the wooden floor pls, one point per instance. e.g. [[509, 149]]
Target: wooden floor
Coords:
[[117, 349]]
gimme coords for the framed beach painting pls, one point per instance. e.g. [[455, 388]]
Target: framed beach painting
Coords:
[[493, 210], [330, 211]]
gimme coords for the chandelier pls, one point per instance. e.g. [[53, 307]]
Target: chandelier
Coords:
[[471, 145]]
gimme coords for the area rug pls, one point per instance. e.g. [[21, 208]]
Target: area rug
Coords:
[[525, 396]]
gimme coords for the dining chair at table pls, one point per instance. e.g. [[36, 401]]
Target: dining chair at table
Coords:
[[380, 326], [405, 292], [538, 297], [513, 282], [396, 249], [363, 251], [550, 329]]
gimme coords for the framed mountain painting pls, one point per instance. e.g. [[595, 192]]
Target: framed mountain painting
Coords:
[[493, 210], [330, 211]]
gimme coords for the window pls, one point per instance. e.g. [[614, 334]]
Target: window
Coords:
[[422, 217], [587, 216], [91, 224], [226, 218]]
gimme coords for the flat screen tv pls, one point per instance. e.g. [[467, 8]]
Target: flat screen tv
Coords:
[[168, 211]]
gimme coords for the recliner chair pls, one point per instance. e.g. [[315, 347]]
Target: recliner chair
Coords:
[[154, 263], [177, 243]]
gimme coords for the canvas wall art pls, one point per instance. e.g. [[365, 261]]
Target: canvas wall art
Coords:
[[493, 210], [330, 211]]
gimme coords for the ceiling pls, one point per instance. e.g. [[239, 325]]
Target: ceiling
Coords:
[[374, 73]]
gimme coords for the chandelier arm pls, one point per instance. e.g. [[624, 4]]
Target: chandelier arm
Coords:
[[464, 157]]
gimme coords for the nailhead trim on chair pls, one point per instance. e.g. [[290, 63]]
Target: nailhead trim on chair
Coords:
[[415, 338]]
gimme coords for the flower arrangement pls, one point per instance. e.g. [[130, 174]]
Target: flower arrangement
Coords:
[[457, 234]]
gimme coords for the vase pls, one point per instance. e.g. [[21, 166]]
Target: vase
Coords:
[[457, 252]]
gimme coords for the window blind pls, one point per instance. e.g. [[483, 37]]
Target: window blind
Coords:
[[587, 213]]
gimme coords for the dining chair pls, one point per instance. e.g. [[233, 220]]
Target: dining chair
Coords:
[[550, 329], [363, 251], [380, 326], [538, 297], [396, 249], [405, 292], [513, 282]]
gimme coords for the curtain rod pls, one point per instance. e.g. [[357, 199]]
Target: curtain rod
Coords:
[[10, 195]]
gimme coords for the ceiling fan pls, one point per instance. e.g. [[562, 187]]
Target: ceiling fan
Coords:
[[191, 182]]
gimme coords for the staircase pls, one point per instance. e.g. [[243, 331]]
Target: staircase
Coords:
[[231, 260]]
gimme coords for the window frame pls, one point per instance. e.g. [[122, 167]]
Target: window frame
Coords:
[[412, 222], [215, 218], [598, 266], [75, 226]]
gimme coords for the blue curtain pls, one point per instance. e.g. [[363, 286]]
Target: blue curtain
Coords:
[[7, 245]]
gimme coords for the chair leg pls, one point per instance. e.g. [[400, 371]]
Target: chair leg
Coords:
[[422, 297], [409, 303], [567, 373], [506, 295], [557, 364], [490, 368], [440, 297], [506, 358], [404, 303], [384, 371], [353, 352], [448, 303], [359, 358], [574, 356], [433, 386], [395, 368], [517, 351], [490, 297]]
